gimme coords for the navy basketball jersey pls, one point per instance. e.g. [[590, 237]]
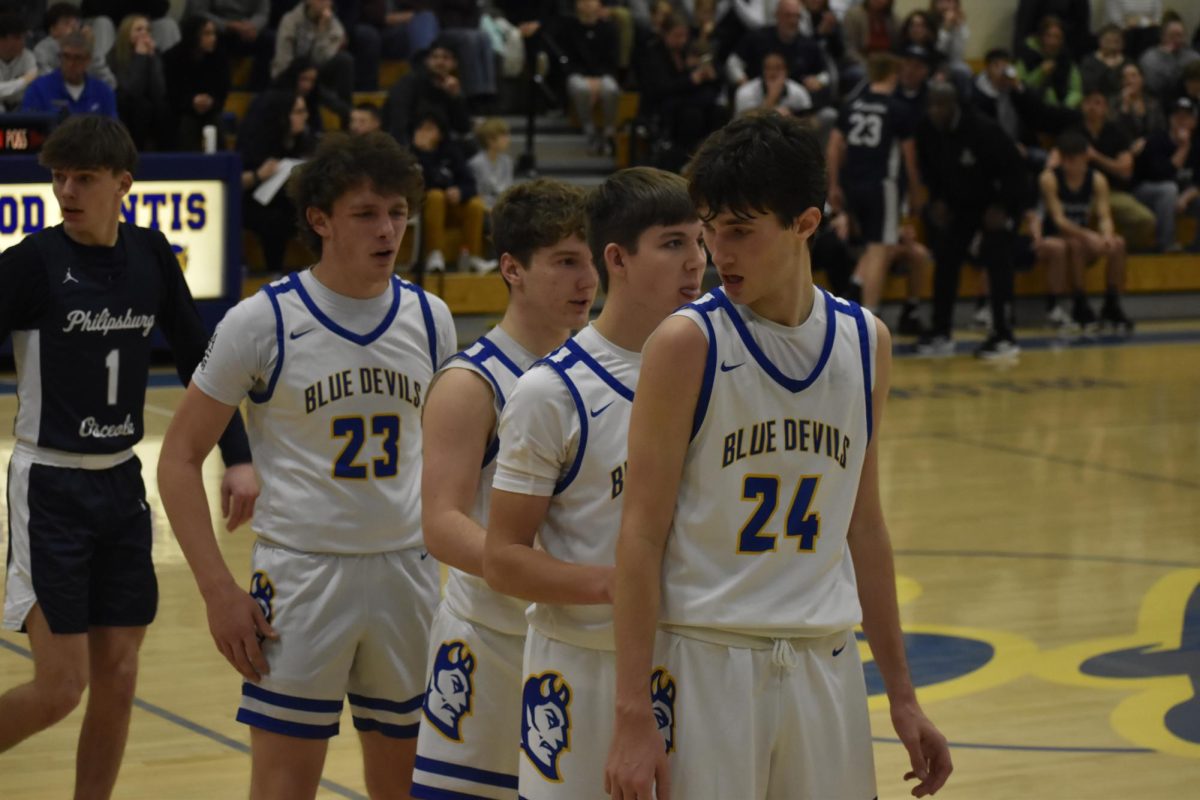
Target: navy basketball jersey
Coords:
[[758, 541], [81, 368], [874, 125], [500, 360], [1076, 203]]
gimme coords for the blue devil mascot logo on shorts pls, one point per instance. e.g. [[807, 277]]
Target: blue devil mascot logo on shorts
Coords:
[[448, 696], [263, 592], [545, 722], [662, 699]]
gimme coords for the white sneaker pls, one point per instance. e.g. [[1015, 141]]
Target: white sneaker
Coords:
[[1058, 317], [936, 347], [484, 265], [982, 318], [435, 261]]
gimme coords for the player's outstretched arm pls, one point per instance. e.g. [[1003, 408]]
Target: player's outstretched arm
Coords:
[[871, 551], [234, 619], [512, 565], [455, 428], [659, 432]]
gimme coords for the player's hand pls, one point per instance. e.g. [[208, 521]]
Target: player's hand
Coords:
[[637, 760], [837, 198], [239, 490], [927, 748], [238, 626], [454, 195]]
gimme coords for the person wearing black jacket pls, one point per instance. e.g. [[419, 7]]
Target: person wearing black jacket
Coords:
[[589, 44], [432, 86], [198, 82], [81, 300], [978, 191], [451, 195]]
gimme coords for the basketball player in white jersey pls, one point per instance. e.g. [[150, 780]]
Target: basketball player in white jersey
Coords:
[[753, 529], [467, 745], [561, 478], [335, 361]]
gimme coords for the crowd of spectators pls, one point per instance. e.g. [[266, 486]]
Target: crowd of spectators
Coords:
[[1128, 82]]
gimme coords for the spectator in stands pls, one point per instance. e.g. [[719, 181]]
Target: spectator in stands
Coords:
[[679, 91], [1191, 82], [590, 46], [912, 79], [1074, 16], [70, 89], [978, 192], [197, 83], [1110, 151], [1167, 169], [163, 26], [459, 21], [18, 65], [276, 128], [773, 90], [1103, 67], [1074, 193], [1044, 65], [1137, 113], [999, 95], [301, 77], [1139, 19], [869, 28], [802, 55], [141, 85], [311, 30], [379, 29], [432, 85], [950, 22], [918, 28], [243, 31], [450, 195], [1163, 65], [821, 24], [492, 166], [365, 118], [63, 19]]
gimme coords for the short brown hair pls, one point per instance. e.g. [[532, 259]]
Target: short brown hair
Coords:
[[490, 130], [881, 66], [537, 214], [629, 202], [343, 162], [90, 141]]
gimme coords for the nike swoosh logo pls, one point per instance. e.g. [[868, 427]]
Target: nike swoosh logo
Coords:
[[598, 411], [838, 652], [298, 334], [424, 555], [727, 368]]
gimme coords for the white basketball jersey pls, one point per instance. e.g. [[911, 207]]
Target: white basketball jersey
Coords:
[[584, 515], [498, 358], [336, 434], [758, 542]]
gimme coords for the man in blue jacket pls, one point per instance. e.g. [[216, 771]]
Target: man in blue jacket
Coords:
[[69, 89]]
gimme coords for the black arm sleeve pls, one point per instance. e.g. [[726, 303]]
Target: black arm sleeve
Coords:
[[24, 292], [180, 323]]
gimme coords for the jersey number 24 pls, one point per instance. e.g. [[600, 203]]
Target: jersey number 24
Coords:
[[802, 523]]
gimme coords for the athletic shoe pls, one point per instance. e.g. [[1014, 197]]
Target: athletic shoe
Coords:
[[1058, 317], [1112, 317], [995, 348], [982, 318], [435, 261], [935, 347]]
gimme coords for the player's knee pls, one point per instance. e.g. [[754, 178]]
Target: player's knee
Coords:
[[1118, 244], [61, 697]]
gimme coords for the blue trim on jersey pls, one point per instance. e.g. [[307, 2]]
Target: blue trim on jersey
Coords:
[[492, 350], [854, 310], [793, 385], [478, 363], [561, 369], [427, 313], [297, 729], [367, 725], [423, 792], [363, 339], [273, 291], [379, 704], [488, 349], [472, 774], [586, 359], [291, 701], [710, 373]]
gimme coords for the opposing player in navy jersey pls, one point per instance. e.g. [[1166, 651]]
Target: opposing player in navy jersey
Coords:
[[81, 300], [560, 480], [868, 150], [752, 532], [336, 362], [472, 713]]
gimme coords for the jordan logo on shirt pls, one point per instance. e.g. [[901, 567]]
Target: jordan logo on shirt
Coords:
[[70, 278]]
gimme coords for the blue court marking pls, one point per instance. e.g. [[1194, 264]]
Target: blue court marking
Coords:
[[1140, 562], [1025, 748], [967, 346], [195, 727], [1073, 462]]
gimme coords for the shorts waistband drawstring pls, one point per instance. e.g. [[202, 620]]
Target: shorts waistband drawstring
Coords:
[[783, 655]]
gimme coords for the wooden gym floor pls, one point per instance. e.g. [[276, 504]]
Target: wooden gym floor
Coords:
[[1046, 519]]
